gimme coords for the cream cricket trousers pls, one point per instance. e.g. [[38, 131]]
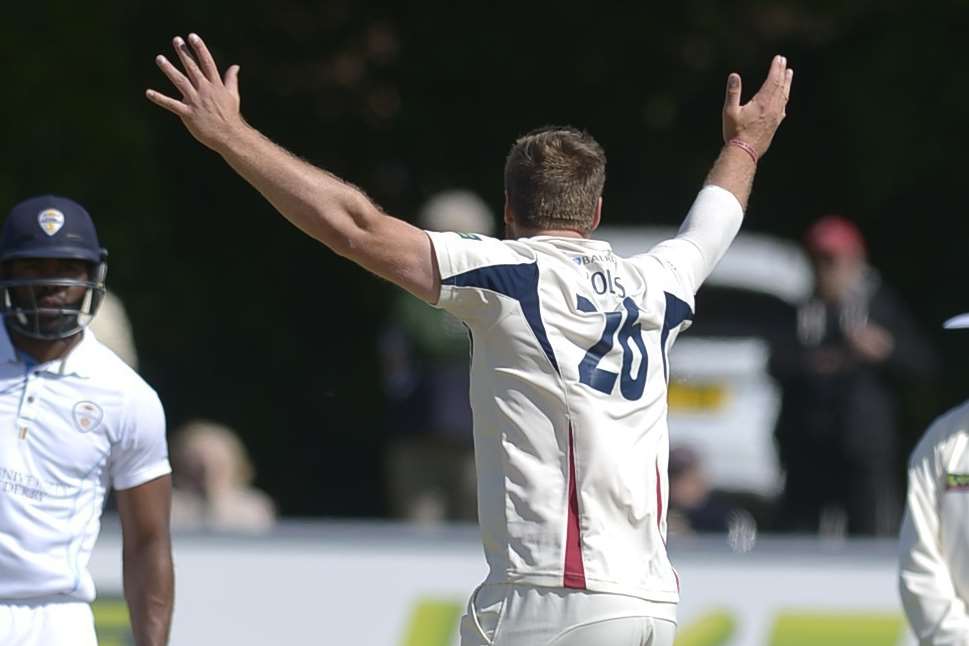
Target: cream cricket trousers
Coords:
[[47, 622], [527, 615]]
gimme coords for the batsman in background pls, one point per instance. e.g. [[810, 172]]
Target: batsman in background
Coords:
[[569, 374], [76, 422]]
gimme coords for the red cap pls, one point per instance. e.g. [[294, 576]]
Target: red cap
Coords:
[[836, 236]]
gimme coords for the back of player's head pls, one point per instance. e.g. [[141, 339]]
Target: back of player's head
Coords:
[[554, 178]]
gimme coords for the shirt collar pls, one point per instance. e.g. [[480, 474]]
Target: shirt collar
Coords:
[[7, 352], [581, 243], [79, 361]]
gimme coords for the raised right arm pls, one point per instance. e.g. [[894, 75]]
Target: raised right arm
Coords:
[[715, 218], [749, 129]]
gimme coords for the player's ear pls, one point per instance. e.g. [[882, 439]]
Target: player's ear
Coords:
[[509, 216]]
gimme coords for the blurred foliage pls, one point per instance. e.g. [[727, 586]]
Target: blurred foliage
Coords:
[[241, 318]]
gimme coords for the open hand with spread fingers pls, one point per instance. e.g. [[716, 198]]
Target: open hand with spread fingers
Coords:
[[752, 125], [209, 106]]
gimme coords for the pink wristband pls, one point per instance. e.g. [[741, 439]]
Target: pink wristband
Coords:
[[744, 146]]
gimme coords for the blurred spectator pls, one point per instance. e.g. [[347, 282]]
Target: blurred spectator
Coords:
[[855, 344], [112, 328], [694, 507], [212, 478], [426, 361]]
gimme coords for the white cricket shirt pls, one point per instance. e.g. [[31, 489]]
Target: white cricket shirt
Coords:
[[934, 541], [569, 387], [68, 430]]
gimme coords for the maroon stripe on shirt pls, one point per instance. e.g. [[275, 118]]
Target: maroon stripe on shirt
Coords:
[[574, 569], [659, 521]]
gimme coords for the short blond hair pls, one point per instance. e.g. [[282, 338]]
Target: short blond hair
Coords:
[[554, 178]]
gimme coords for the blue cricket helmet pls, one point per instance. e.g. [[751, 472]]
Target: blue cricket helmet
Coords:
[[49, 226]]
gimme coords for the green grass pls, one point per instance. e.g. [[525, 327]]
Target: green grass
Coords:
[[111, 622], [712, 629], [815, 629], [433, 623]]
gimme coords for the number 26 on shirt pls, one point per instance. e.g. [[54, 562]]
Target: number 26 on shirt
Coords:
[[630, 336]]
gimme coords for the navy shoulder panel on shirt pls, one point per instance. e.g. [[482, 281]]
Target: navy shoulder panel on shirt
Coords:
[[677, 312], [518, 281]]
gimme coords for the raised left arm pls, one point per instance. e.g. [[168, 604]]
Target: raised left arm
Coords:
[[149, 576]]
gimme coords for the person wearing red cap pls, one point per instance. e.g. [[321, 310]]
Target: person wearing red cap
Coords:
[[854, 342]]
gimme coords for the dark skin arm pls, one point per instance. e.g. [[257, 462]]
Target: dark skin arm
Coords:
[[149, 576]]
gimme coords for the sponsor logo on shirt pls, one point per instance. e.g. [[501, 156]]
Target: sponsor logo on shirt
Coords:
[[87, 416], [598, 258], [957, 482], [27, 486]]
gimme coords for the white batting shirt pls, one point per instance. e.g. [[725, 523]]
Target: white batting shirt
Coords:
[[68, 429], [569, 387], [934, 541]]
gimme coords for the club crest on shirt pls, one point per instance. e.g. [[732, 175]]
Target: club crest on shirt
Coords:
[[957, 482], [87, 416], [50, 220]]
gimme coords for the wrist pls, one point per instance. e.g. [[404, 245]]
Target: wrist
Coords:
[[739, 144], [233, 137]]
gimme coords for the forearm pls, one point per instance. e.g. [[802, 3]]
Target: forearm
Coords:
[[320, 204], [149, 589], [734, 171], [708, 229]]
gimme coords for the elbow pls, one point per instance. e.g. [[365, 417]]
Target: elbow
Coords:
[[147, 545], [351, 230], [348, 243], [148, 562]]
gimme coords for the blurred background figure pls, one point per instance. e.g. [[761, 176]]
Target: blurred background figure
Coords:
[[112, 327], [425, 355], [695, 508], [212, 482], [837, 432]]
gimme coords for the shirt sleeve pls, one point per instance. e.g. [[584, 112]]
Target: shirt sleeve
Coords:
[[475, 269], [142, 453], [935, 611], [707, 232]]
